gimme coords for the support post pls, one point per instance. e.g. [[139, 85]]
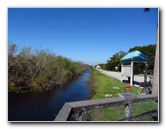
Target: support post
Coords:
[[122, 72], [128, 110], [145, 75], [131, 76], [128, 104]]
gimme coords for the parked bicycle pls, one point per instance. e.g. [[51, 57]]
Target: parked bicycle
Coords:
[[145, 87]]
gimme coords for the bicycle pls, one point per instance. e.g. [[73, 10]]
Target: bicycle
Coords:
[[145, 87]]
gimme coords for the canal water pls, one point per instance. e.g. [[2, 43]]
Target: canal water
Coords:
[[44, 106]]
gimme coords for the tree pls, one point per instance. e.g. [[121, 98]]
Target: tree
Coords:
[[149, 51], [114, 61], [156, 67]]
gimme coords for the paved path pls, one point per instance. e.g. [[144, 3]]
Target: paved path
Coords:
[[117, 75]]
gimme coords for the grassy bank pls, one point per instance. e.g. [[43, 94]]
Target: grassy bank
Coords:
[[39, 70], [105, 86]]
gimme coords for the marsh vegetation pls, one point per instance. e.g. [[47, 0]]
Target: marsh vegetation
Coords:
[[39, 70]]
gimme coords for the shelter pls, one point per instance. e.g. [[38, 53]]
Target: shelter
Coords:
[[128, 64]]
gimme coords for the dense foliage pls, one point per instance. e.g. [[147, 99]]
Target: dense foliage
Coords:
[[148, 51], [114, 61], [39, 70]]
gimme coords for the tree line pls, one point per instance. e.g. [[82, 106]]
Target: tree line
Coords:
[[39, 70], [114, 63]]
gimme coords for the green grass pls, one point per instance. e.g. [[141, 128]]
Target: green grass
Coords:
[[107, 114], [115, 113], [103, 84]]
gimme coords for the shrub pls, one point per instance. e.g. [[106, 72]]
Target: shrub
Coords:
[[40, 70]]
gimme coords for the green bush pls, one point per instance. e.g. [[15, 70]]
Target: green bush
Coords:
[[39, 70]]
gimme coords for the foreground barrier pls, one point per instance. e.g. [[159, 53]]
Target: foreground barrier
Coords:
[[126, 107]]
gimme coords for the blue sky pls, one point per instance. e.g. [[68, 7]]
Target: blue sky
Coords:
[[90, 35]]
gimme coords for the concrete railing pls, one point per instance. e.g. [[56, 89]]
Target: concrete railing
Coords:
[[126, 99]]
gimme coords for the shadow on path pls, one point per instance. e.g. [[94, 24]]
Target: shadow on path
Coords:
[[134, 83]]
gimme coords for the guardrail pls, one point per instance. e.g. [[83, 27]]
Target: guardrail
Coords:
[[126, 107]]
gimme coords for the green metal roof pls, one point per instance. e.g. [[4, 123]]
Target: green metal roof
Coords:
[[134, 56]]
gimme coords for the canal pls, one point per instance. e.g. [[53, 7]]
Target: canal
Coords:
[[44, 106]]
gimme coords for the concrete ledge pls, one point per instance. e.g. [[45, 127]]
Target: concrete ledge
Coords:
[[68, 107], [127, 96], [64, 113]]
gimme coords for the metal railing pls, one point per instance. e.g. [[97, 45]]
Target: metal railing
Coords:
[[126, 107]]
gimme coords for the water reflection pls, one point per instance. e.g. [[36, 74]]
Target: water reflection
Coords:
[[46, 105]]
